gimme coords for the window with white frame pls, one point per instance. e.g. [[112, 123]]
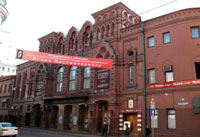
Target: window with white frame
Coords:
[[86, 78], [171, 113], [60, 79], [72, 82], [169, 75], [166, 37], [131, 74], [195, 32], [151, 41], [152, 76]]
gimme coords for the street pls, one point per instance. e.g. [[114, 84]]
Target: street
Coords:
[[34, 132]]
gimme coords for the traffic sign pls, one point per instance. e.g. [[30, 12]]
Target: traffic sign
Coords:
[[152, 103], [153, 112]]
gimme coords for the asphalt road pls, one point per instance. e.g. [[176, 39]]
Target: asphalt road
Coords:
[[32, 132]]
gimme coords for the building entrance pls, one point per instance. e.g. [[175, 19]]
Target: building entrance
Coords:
[[133, 120], [67, 118], [27, 120], [103, 115], [83, 117], [54, 115], [37, 115]]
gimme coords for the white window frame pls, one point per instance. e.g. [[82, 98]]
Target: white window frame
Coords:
[[72, 82], [151, 41], [86, 83], [171, 117], [131, 74], [169, 76], [60, 79], [195, 32], [152, 76], [166, 37]]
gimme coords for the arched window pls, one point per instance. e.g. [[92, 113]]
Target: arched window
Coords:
[[73, 44], [103, 33], [108, 31], [87, 38], [98, 34], [86, 78], [113, 29], [60, 79], [131, 74], [130, 53], [72, 82]]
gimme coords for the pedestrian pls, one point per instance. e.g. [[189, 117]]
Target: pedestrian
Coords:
[[105, 129], [148, 132], [127, 131]]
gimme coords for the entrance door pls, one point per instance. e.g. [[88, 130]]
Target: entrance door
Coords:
[[28, 116], [37, 115], [83, 118], [54, 117], [133, 119], [102, 115], [67, 117]]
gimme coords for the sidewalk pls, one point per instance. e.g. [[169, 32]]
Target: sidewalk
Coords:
[[62, 132]]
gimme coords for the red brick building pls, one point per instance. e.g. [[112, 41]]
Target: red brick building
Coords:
[[6, 88], [80, 99]]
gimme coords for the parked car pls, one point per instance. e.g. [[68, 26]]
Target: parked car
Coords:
[[7, 129]]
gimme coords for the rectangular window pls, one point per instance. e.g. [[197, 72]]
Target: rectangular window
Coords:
[[131, 75], [195, 32], [86, 78], [10, 88], [171, 113], [72, 82], [30, 90], [166, 38], [8, 69], [151, 41], [60, 79], [197, 68], [152, 76], [169, 76], [1, 89], [5, 88]]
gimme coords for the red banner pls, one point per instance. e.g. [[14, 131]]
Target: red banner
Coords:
[[174, 84], [63, 59]]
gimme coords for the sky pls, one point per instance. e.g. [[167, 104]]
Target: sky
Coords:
[[28, 20]]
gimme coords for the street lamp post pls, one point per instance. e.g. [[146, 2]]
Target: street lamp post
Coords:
[[144, 78]]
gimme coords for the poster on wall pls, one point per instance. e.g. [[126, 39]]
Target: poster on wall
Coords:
[[103, 78], [130, 103], [60, 119], [63, 59], [74, 120]]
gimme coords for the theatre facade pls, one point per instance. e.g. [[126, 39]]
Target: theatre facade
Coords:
[[165, 50]]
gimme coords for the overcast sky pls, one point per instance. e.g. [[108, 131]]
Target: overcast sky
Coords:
[[29, 20]]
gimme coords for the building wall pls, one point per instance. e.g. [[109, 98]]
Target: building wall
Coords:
[[116, 34], [6, 85]]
